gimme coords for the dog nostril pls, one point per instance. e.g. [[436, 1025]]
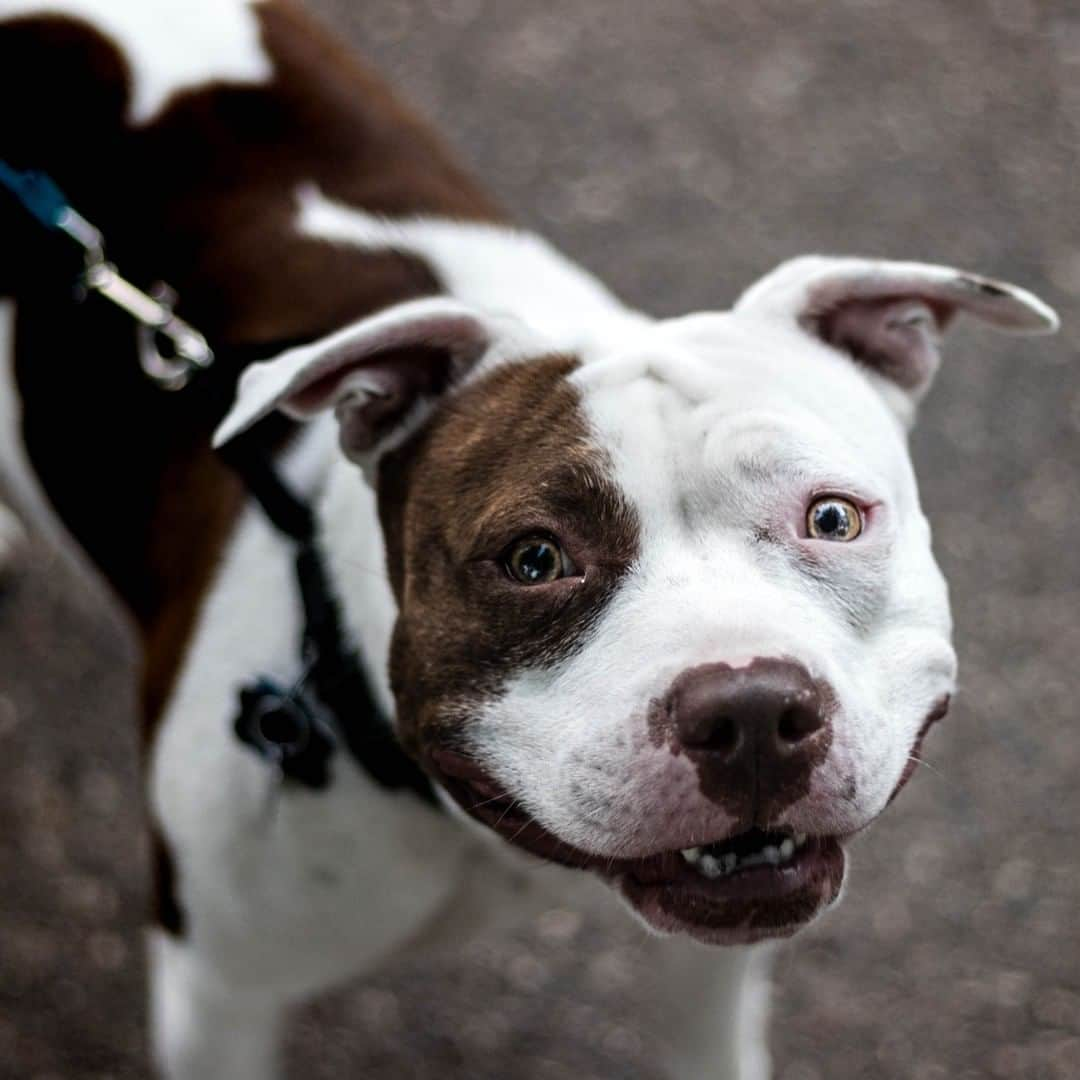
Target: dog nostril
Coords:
[[797, 723], [710, 731], [725, 734]]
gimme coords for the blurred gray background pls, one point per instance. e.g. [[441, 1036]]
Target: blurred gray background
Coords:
[[680, 149]]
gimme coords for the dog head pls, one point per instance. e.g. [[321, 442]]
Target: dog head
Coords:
[[667, 607]]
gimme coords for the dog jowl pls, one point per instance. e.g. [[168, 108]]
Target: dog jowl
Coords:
[[666, 606]]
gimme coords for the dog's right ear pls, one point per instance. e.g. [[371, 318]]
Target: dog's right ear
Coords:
[[377, 374]]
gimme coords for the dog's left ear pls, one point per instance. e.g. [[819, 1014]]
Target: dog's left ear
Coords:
[[889, 316], [376, 374]]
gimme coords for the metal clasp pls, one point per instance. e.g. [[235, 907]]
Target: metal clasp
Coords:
[[170, 350]]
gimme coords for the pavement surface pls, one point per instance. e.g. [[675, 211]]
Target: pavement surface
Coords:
[[681, 149]]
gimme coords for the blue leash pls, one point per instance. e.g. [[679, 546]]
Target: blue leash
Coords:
[[170, 350], [37, 193]]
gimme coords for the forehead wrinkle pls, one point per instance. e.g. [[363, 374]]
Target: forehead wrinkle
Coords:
[[790, 445], [651, 357], [685, 461]]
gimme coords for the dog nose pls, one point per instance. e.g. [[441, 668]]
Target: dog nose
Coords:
[[767, 714]]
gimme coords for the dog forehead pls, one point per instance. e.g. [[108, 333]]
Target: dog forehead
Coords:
[[692, 396]]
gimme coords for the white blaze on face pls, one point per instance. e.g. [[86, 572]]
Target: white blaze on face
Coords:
[[169, 45], [717, 432], [720, 430]]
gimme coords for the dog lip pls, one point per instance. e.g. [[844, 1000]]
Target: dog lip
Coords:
[[753, 881], [460, 766], [486, 802], [747, 905]]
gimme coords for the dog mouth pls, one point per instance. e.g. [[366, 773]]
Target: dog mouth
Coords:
[[753, 885], [749, 886], [744, 851]]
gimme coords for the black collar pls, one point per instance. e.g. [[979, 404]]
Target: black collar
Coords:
[[298, 728]]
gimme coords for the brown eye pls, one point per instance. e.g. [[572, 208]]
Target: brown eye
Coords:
[[535, 561], [833, 519]]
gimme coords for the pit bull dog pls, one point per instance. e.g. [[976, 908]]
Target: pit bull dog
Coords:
[[651, 603]]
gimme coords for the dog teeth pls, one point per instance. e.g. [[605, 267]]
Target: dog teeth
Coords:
[[715, 865], [767, 854]]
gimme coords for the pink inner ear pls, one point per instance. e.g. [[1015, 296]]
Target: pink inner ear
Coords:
[[897, 337], [373, 394], [417, 369]]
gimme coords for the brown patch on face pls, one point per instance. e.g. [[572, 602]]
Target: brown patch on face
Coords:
[[755, 734], [204, 198], [508, 456]]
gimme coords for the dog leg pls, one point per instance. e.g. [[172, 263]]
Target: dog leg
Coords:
[[712, 1010], [202, 1027]]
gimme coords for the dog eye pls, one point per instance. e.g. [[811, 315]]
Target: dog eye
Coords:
[[535, 560], [832, 518]]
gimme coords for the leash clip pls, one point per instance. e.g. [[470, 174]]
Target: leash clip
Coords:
[[170, 350]]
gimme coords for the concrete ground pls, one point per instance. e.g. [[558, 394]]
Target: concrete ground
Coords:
[[680, 149]]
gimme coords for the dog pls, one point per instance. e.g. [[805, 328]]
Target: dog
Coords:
[[651, 603]]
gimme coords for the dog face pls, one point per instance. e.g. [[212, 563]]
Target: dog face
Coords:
[[667, 607]]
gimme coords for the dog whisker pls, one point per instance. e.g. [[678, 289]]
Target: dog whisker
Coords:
[[927, 765], [513, 803], [488, 802]]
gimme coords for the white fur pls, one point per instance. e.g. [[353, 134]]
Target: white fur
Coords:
[[747, 419], [294, 854], [498, 270], [170, 45], [288, 891], [740, 415], [786, 291], [433, 321], [266, 922], [737, 416]]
